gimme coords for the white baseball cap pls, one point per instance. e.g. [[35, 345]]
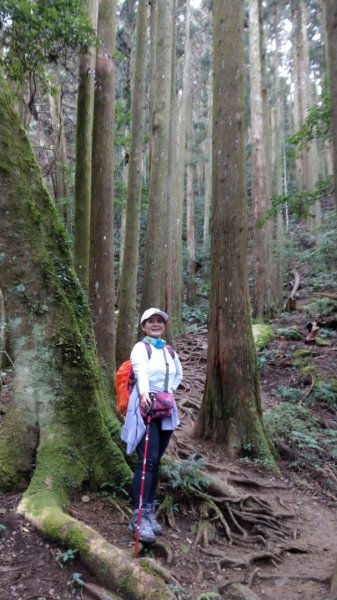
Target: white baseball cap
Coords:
[[153, 311]]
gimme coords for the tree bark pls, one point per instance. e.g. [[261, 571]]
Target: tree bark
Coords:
[[101, 278], [231, 408], [153, 292], [277, 143], [128, 284], [191, 282], [61, 191], [177, 245], [331, 28], [174, 325], [261, 298], [84, 123], [2, 331]]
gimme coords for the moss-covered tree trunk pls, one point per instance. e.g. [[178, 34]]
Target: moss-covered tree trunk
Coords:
[[59, 430], [231, 408]]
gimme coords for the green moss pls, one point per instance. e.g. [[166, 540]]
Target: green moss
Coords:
[[320, 342], [65, 362], [59, 526], [17, 443], [302, 353], [308, 373], [263, 335], [125, 584]]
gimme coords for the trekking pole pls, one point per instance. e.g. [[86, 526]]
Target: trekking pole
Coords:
[[142, 484]]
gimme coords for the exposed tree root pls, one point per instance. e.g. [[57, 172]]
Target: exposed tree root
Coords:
[[164, 549], [98, 592], [275, 556], [218, 504], [136, 580], [323, 580]]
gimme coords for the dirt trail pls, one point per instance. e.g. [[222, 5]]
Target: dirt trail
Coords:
[[32, 568]]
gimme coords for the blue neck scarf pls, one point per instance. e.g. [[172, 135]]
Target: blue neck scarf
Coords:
[[156, 342]]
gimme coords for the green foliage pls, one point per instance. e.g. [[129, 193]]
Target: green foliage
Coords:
[[324, 392], [66, 556], [289, 394], [194, 314], [2, 528], [122, 124], [184, 474], [38, 32], [317, 124], [300, 430], [323, 307], [116, 491], [77, 578], [295, 424], [326, 334], [264, 357], [299, 203], [177, 590], [289, 333]]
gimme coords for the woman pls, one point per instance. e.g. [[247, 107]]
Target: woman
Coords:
[[152, 364]]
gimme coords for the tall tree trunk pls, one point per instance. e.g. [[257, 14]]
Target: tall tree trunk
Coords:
[[2, 331], [128, 283], [153, 292], [266, 140], [85, 111], [297, 50], [191, 282], [101, 281], [60, 153], [277, 281], [175, 325], [261, 298], [331, 28], [277, 144], [208, 181], [177, 255], [231, 409]]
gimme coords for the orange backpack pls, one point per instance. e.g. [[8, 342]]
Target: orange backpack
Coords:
[[125, 380]]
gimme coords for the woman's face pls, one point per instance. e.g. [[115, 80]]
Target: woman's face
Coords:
[[154, 326]]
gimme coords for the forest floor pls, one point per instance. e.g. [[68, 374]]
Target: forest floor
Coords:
[[294, 564]]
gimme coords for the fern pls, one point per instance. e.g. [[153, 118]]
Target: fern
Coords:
[[289, 394], [324, 392], [183, 474], [289, 333]]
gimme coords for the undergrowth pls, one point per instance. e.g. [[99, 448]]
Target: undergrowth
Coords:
[[183, 474], [297, 427]]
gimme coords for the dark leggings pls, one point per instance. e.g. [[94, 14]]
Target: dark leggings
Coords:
[[158, 442]]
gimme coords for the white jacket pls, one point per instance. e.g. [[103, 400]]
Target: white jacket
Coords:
[[150, 374]]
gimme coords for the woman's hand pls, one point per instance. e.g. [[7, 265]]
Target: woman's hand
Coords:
[[145, 401]]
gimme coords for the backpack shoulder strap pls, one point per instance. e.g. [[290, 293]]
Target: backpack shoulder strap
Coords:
[[171, 350], [148, 347]]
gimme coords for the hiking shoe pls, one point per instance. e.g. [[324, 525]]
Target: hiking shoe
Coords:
[[146, 533], [156, 527]]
